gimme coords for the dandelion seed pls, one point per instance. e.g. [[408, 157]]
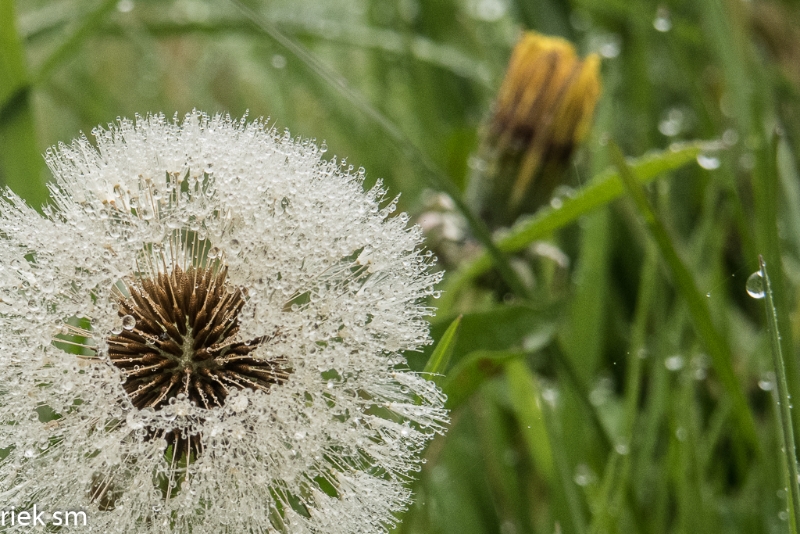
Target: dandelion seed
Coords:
[[182, 339]]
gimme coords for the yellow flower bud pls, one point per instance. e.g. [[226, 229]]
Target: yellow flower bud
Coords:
[[543, 110]]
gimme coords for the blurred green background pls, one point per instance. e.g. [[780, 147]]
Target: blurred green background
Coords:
[[628, 384]]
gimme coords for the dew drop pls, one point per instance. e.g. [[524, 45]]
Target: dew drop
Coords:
[[662, 22], [755, 285], [134, 422], [239, 403], [278, 61], [674, 363], [125, 6], [730, 137], [767, 382], [128, 322], [213, 253], [489, 10], [550, 396], [583, 475], [672, 122], [609, 45], [235, 246], [708, 162]]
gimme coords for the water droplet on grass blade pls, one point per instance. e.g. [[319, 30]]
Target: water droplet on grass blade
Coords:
[[755, 285], [767, 382], [708, 162], [674, 363], [278, 61], [662, 22]]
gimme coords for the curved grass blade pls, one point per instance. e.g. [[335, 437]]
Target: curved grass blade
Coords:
[[714, 343], [784, 401], [601, 190], [440, 359]]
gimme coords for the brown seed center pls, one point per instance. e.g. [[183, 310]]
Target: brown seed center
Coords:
[[179, 337]]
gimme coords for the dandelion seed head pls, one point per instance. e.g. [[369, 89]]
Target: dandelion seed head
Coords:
[[204, 332]]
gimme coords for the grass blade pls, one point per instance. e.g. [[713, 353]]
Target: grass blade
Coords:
[[496, 328], [766, 194], [75, 39], [468, 375], [540, 434], [784, 401], [527, 405], [382, 40], [714, 343], [601, 190], [21, 163], [12, 64], [439, 360], [68, 46]]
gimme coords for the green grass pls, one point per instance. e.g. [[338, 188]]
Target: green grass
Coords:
[[606, 370]]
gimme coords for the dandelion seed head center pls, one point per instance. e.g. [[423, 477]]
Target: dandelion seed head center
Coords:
[[179, 340]]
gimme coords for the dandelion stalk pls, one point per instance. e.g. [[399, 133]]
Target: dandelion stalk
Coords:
[[784, 401]]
